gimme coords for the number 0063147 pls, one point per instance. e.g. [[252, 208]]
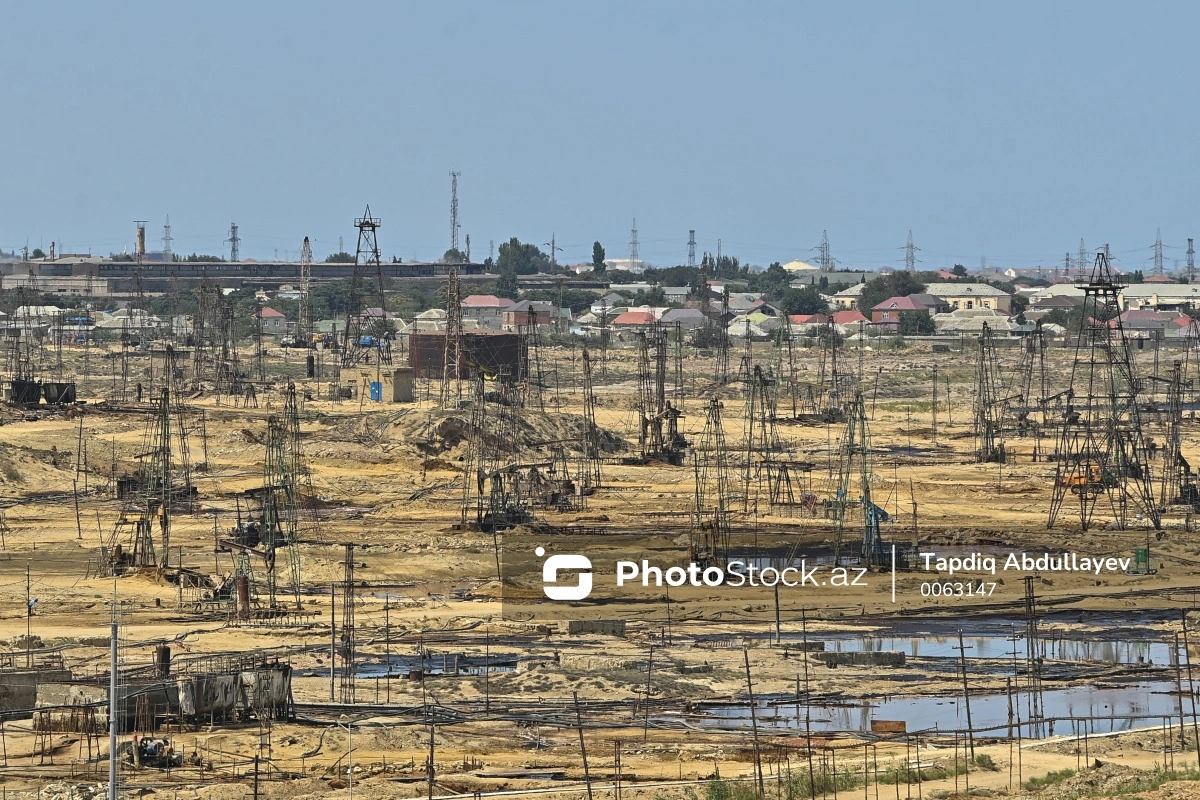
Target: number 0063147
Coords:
[[957, 588]]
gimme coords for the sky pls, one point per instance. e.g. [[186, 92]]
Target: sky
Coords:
[[1003, 132]]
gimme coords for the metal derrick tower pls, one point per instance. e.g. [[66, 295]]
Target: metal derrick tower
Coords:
[[356, 344], [591, 475], [989, 409], [710, 510], [304, 328], [452, 355], [855, 468], [1101, 450], [658, 419], [280, 496]]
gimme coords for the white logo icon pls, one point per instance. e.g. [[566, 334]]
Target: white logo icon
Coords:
[[550, 571]]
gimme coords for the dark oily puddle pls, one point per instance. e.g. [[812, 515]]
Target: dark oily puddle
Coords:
[[402, 666], [1101, 708]]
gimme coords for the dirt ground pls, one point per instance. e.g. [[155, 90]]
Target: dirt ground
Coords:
[[389, 478]]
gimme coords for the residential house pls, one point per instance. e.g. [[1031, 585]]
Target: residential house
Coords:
[[971, 295], [542, 312], [973, 320], [636, 319], [274, 323], [606, 304], [1161, 297], [1048, 304], [677, 295], [807, 324], [850, 320], [486, 309], [821, 277], [688, 319], [888, 312], [848, 298]]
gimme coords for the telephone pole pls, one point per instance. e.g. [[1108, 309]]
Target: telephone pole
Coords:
[[554, 251]]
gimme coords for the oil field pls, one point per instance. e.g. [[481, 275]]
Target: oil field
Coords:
[[297, 572]]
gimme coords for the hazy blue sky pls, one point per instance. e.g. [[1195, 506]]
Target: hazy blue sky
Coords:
[[1005, 130]]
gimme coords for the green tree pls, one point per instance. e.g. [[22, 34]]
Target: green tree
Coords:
[[774, 281], [454, 256], [506, 284], [598, 259], [896, 284], [803, 301], [37, 253], [522, 259], [339, 258], [916, 323], [959, 270]]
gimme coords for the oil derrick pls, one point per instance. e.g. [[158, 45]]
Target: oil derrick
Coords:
[[452, 352], [23, 367], [988, 411], [304, 326], [658, 420], [259, 355], [855, 468], [1178, 481], [1028, 391], [710, 510], [492, 491], [829, 399], [346, 693], [226, 365], [590, 474], [788, 370], [281, 495], [534, 379], [761, 437], [1100, 448], [722, 366], [357, 345]]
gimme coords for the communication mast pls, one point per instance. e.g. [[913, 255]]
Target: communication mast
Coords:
[[305, 328]]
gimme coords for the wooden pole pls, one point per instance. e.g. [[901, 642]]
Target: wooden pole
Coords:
[[962, 654], [1191, 685], [754, 725], [587, 775]]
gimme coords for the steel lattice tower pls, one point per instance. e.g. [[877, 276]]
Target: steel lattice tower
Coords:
[[1100, 448], [167, 239], [354, 349], [710, 511], [1157, 247], [989, 436], [910, 254], [823, 257], [233, 241], [305, 328], [691, 248], [346, 694], [451, 395], [633, 247], [1191, 261], [454, 226]]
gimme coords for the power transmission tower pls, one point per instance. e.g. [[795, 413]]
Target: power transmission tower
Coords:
[[633, 247], [1101, 450], [554, 251], [1158, 253], [691, 248], [1082, 260], [304, 329], [910, 254], [233, 241], [1191, 261], [454, 210], [167, 238], [823, 257]]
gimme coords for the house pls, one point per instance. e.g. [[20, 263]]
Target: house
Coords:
[[676, 294], [973, 320], [888, 312], [935, 304], [971, 295], [542, 312], [637, 319], [274, 323], [486, 309], [1048, 304], [848, 298], [807, 324], [1162, 297], [1144, 320], [606, 304], [688, 319], [849, 320], [822, 278]]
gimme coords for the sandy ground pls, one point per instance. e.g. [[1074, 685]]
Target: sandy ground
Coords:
[[388, 483]]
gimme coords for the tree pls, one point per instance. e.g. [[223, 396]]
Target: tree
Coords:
[[339, 258], [454, 256], [598, 259], [803, 301], [37, 253], [897, 284], [522, 259], [916, 323], [506, 284], [774, 281], [959, 270]]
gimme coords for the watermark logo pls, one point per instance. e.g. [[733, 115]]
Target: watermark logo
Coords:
[[554, 564]]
